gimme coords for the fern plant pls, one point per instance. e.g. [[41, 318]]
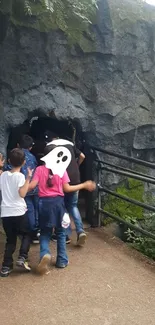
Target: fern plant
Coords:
[[73, 17]]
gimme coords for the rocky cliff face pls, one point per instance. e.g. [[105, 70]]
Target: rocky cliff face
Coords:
[[109, 90]]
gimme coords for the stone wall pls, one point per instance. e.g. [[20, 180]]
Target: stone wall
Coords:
[[109, 90]]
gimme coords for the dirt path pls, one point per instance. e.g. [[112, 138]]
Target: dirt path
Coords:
[[105, 284]]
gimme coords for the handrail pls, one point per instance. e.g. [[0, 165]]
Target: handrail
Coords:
[[102, 165], [125, 198], [117, 155], [124, 169], [134, 176], [129, 224]]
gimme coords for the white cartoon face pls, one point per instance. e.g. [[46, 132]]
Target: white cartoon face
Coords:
[[58, 160]]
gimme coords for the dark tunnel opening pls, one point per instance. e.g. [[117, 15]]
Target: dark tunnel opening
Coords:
[[37, 127]]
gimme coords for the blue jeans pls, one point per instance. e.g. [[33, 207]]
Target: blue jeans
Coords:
[[45, 236], [71, 202], [32, 202]]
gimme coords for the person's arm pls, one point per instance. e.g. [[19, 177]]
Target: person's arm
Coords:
[[2, 161], [81, 158], [88, 185], [24, 189], [32, 185]]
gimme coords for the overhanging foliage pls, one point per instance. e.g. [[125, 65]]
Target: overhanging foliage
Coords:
[[73, 17]]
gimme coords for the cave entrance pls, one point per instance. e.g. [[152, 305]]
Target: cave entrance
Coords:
[[37, 127], [40, 127]]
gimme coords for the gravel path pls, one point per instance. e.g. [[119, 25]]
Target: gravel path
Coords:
[[105, 284]]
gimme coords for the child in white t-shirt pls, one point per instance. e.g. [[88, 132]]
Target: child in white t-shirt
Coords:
[[14, 188]]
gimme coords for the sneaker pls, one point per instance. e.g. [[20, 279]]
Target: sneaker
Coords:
[[81, 239], [43, 266], [5, 271], [22, 262], [68, 240], [54, 238], [36, 238], [61, 266]]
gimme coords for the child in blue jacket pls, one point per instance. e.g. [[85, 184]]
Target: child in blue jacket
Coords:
[[31, 198]]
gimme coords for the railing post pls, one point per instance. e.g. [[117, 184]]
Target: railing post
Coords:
[[90, 197]]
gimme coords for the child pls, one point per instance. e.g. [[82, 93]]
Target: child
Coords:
[[71, 199], [14, 188], [31, 198], [52, 210]]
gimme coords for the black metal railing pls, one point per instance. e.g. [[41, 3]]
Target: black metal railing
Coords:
[[112, 168]]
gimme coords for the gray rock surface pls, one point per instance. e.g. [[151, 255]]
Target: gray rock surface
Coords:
[[109, 90]]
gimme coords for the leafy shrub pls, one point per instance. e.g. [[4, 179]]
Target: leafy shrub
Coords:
[[133, 214], [144, 244], [73, 17], [130, 188]]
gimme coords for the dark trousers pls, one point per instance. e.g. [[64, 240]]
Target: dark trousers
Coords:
[[13, 227]]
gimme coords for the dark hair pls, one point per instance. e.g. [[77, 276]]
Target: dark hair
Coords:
[[17, 157], [49, 148], [48, 135], [50, 174], [26, 142], [49, 180]]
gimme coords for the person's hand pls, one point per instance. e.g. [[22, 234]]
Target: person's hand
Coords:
[[2, 161], [29, 173], [90, 186]]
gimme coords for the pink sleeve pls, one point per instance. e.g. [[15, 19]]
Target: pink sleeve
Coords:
[[65, 178], [36, 175]]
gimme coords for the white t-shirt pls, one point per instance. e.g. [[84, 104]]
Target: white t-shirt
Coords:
[[12, 204]]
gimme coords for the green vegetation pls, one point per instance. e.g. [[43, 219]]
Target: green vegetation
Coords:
[[136, 215], [132, 189], [73, 17], [144, 244]]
